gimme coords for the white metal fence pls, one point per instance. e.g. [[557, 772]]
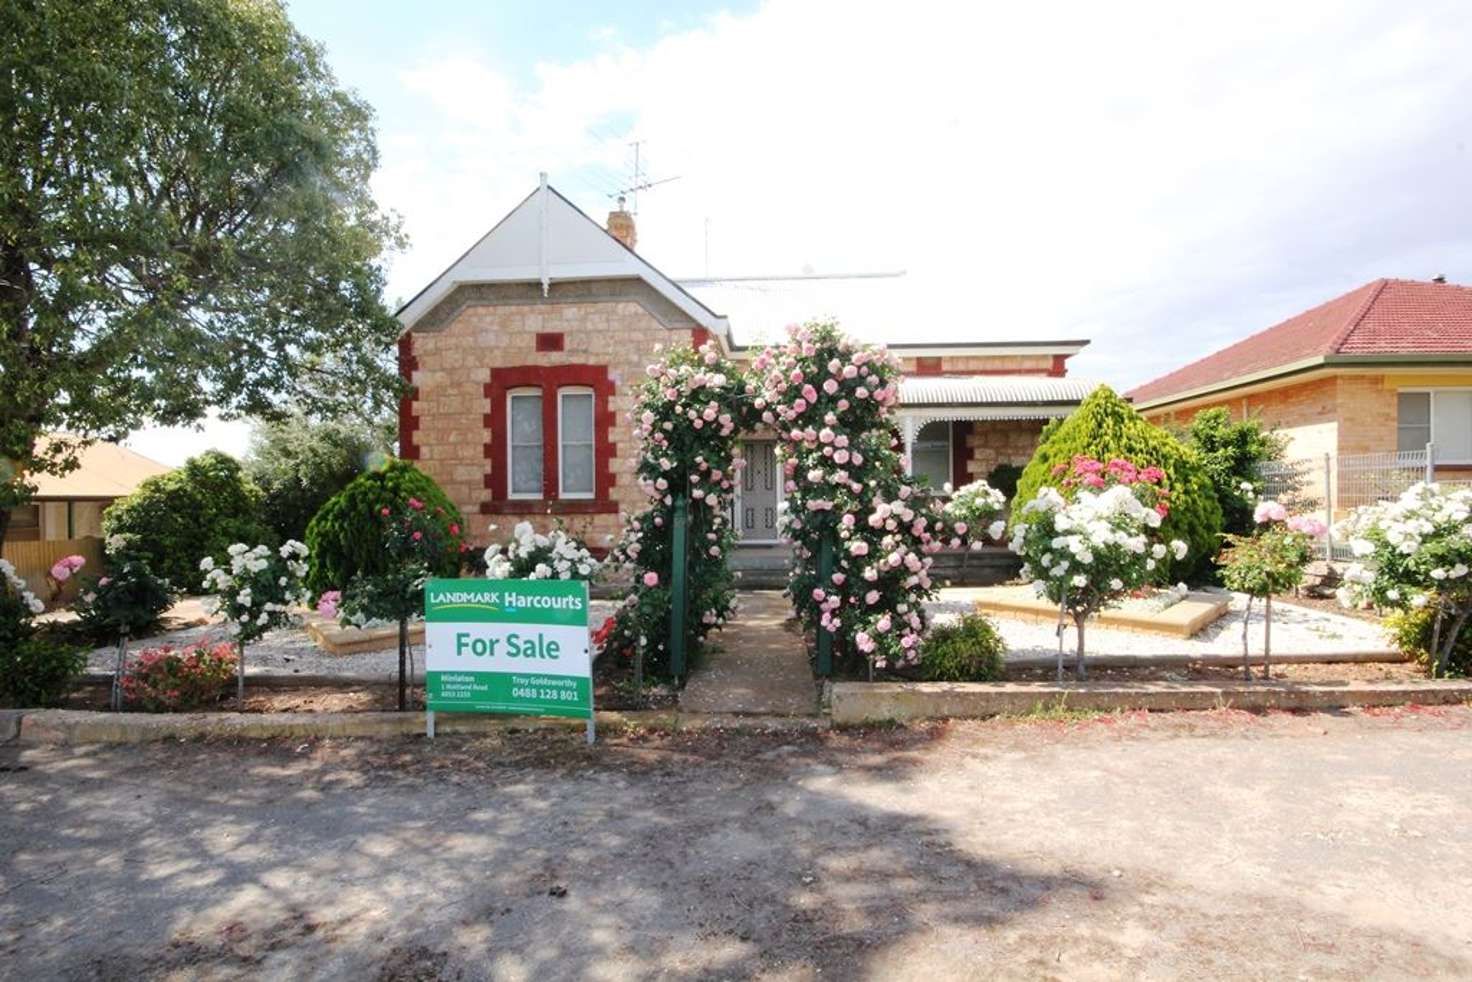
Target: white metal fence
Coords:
[[1335, 484]]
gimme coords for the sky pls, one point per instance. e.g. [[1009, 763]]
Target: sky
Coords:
[[1161, 178]]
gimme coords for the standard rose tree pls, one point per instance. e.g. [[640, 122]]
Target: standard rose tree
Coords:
[[1270, 560], [1414, 553], [255, 591], [1087, 546], [123, 604]]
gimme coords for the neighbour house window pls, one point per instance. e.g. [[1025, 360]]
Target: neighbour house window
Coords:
[[524, 445], [575, 442], [1442, 417], [25, 523], [930, 456]]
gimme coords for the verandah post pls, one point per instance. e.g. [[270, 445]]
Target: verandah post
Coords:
[[825, 636], [678, 585]]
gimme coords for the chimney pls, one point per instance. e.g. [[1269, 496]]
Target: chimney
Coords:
[[1439, 278], [621, 225]]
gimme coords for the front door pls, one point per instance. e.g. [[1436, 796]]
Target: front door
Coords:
[[760, 480]]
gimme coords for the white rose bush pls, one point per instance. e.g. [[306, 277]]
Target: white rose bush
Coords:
[[1415, 554], [830, 401], [1089, 544], [255, 590], [532, 555], [690, 413], [978, 505]]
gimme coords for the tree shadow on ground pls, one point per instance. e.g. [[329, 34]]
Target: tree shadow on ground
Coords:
[[724, 855]]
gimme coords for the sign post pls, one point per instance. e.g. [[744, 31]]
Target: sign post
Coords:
[[507, 646]]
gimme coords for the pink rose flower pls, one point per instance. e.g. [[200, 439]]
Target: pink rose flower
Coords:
[[651, 579]]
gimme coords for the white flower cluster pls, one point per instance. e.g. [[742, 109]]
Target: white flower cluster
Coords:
[[556, 556], [1097, 542], [251, 600], [1416, 548], [977, 503], [32, 603]]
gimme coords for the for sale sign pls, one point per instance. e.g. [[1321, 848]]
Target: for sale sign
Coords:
[[508, 646]]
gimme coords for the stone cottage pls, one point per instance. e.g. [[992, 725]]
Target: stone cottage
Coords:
[[524, 357]]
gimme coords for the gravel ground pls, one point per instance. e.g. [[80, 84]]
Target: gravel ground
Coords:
[[290, 651], [1295, 629], [1217, 845]]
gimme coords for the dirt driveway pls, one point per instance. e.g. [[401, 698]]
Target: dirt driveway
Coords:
[[1216, 845]]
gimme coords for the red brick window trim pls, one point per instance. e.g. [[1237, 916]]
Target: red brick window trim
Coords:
[[408, 421], [927, 366], [550, 341], [550, 381]]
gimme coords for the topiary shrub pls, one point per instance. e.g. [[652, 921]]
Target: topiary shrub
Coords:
[[1106, 427], [346, 536], [970, 650], [176, 519]]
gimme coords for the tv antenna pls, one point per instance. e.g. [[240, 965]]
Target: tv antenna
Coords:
[[639, 182]]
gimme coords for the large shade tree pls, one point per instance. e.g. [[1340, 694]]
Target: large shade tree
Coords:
[[185, 224]]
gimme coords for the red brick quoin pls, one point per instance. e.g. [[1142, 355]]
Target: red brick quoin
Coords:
[[549, 378], [408, 422]]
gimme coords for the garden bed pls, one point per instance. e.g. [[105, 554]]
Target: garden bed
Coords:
[[1162, 612]]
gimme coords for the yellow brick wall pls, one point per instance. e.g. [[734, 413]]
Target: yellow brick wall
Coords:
[[1307, 413], [454, 365]]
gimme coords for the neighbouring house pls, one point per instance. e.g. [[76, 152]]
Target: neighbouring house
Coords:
[[524, 358], [71, 506], [1383, 369]]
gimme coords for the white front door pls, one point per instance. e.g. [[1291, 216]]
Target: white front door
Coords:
[[761, 482]]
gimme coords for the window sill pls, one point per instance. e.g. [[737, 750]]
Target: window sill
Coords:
[[555, 506]]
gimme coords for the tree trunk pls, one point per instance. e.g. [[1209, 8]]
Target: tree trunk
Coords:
[[1444, 656], [1267, 637], [1246, 651], [240, 676], [117, 675], [1059, 632], [403, 657], [1079, 668]]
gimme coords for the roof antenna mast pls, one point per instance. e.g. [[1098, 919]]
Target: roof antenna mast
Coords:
[[638, 182]]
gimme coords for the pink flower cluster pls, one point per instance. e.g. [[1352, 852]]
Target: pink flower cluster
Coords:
[[66, 567], [1148, 483]]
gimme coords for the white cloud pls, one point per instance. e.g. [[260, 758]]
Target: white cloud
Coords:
[[1160, 177]]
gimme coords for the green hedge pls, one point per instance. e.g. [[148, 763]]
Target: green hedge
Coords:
[[176, 519], [1104, 426], [344, 538], [968, 650]]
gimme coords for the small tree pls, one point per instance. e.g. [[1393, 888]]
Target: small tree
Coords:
[[300, 463], [417, 544], [1414, 554], [255, 590], [974, 507], [1088, 553], [1269, 561], [1233, 453], [122, 605]]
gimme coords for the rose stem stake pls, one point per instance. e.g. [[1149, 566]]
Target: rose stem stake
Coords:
[[403, 648], [1062, 611], [1246, 652], [117, 676], [240, 675], [1267, 637]]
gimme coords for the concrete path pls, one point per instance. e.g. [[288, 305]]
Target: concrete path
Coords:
[[761, 667]]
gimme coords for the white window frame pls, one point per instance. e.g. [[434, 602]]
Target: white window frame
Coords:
[[592, 444], [950, 426], [511, 492], [1432, 391]]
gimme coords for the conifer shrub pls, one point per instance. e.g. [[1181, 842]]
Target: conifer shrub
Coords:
[[1106, 427], [346, 536]]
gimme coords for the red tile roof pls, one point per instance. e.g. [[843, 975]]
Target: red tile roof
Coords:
[[1384, 317]]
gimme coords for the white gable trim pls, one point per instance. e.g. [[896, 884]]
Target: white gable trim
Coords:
[[547, 239]]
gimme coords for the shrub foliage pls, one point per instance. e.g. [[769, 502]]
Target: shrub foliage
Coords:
[[176, 519], [1233, 453], [1106, 427], [969, 650], [173, 680]]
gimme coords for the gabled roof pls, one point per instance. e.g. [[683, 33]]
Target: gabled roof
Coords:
[[106, 471], [547, 239], [1384, 318]]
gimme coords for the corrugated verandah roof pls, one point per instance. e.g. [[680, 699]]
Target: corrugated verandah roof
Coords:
[[991, 390]]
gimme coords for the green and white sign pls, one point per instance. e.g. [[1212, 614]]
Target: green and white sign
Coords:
[[508, 646]]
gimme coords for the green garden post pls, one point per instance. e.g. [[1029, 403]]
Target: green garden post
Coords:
[[825, 636], [678, 586]]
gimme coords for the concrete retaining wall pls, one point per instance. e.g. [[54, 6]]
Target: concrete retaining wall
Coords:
[[860, 702]]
